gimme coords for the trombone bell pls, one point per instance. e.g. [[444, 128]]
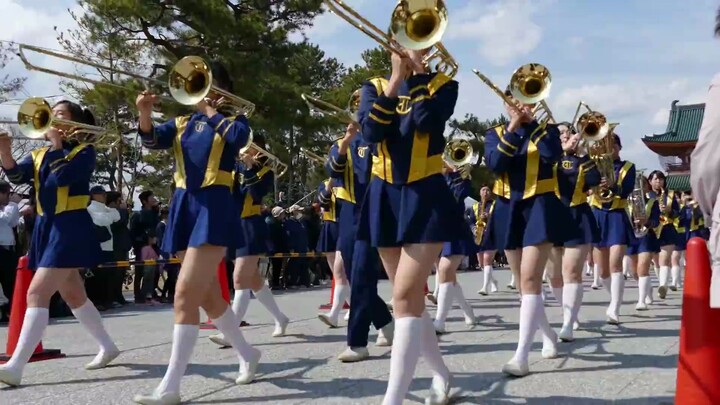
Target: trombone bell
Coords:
[[593, 126], [460, 152], [419, 24], [35, 118], [190, 80], [531, 83]]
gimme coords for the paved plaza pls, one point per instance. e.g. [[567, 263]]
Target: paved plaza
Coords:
[[634, 363]]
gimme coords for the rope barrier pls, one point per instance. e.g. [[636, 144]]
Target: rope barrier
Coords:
[[128, 263]]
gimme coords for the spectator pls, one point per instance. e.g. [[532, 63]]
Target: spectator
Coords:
[[121, 246], [149, 252], [141, 224], [277, 245], [297, 238], [9, 218], [172, 270], [103, 217]]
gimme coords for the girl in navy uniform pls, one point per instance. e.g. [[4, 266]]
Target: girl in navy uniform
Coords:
[[616, 231], [451, 256], [483, 212], [201, 225], [327, 244], [409, 211], [253, 181], [576, 176], [641, 252], [523, 155], [63, 238], [681, 223], [666, 232]]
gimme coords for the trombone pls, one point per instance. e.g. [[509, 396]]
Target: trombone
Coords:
[[592, 125], [189, 81], [596, 134], [35, 118], [347, 116], [414, 24], [529, 84], [278, 167], [313, 156]]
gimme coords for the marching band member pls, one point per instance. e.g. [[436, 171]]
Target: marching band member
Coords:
[[681, 224], [409, 210], [482, 213], [616, 232], [641, 252], [201, 225], [349, 164], [523, 156], [576, 176], [451, 256], [253, 180], [63, 239], [327, 243], [666, 233]]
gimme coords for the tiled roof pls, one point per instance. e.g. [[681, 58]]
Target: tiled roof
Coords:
[[678, 182], [683, 125]]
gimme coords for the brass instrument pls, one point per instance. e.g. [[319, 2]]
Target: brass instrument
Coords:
[[460, 152], [35, 118], [638, 206], [543, 113], [278, 167], [189, 81], [597, 138], [529, 84], [415, 24], [313, 156], [346, 116], [480, 224]]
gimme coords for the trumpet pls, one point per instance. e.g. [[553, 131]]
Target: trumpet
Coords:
[[529, 84], [415, 24], [272, 161], [346, 116], [313, 156], [35, 118], [189, 81]]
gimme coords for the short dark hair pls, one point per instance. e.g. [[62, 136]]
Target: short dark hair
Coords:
[[618, 142], [259, 140], [5, 187], [569, 125], [112, 197], [657, 174], [221, 76], [145, 195]]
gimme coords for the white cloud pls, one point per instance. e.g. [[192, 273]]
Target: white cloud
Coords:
[[34, 25], [503, 30]]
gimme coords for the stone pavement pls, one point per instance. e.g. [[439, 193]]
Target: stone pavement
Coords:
[[634, 363]]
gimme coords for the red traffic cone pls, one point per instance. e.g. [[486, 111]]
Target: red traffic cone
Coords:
[[698, 375], [326, 307], [224, 290], [17, 315]]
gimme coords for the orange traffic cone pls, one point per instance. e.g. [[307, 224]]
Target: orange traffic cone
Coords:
[[224, 290], [332, 296], [698, 375], [17, 315]]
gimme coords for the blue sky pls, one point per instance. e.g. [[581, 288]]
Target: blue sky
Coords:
[[627, 58]]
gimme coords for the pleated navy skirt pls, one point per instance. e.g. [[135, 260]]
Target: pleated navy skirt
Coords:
[[615, 228], [584, 221], [255, 237], [327, 242], [424, 211], [64, 241], [668, 235], [540, 219]]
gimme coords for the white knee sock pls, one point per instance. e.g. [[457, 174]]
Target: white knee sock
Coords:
[[572, 300], [436, 290], [548, 333], [340, 294], [558, 294], [674, 276], [184, 338], [240, 304], [596, 275], [643, 288], [528, 326], [227, 324], [487, 277], [626, 265], [34, 324], [617, 288], [403, 358], [663, 276], [445, 300], [607, 283], [464, 305], [268, 301], [512, 279], [430, 351], [90, 319]]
